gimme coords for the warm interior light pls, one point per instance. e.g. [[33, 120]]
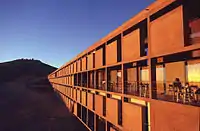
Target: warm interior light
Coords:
[[145, 75], [193, 72]]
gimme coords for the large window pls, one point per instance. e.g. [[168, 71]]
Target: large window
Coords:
[[91, 79], [160, 79], [100, 80], [193, 73], [192, 15], [115, 79], [144, 75]]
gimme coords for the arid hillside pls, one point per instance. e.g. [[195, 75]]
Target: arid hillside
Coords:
[[24, 68], [28, 102]]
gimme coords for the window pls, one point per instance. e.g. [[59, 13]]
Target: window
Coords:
[[193, 72], [192, 20]]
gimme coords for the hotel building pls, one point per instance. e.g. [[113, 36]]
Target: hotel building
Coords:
[[126, 80]]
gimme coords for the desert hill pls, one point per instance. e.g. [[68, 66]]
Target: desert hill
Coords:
[[11, 70]]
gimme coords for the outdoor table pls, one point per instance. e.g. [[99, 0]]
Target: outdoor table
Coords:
[[196, 91]]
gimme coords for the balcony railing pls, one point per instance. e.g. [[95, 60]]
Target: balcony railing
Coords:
[[91, 85], [137, 88], [84, 83], [188, 93], [115, 87], [101, 85]]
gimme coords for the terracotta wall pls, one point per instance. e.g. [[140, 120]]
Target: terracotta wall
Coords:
[[111, 53], [78, 96], [75, 67], [79, 65], [71, 92], [72, 79], [75, 94], [99, 104], [84, 63], [99, 58], [75, 108], [131, 46], [168, 116], [83, 97], [67, 69], [90, 101], [71, 67], [90, 61], [132, 117], [166, 33], [112, 129], [112, 110], [68, 90]]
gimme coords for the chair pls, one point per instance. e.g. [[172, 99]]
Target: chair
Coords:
[[171, 90], [187, 94]]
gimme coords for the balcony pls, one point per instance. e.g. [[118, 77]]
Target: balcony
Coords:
[[100, 79], [187, 93], [91, 79], [101, 85], [115, 86], [137, 88], [84, 79]]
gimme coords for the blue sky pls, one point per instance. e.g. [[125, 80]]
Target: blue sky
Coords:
[[55, 31]]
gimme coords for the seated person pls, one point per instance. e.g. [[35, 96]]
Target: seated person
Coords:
[[177, 84], [188, 88]]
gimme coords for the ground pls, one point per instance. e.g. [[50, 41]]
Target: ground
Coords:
[[27, 108]]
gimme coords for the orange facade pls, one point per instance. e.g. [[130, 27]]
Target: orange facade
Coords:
[[125, 81]]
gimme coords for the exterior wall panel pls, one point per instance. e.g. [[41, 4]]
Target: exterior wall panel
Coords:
[[111, 53], [166, 36], [132, 117], [84, 63], [99, 58], [112, 110], [75, 67], [75, 94], [90, 61], [78, 96], [131, 46], [75, 109], [90, 101], [78, 65], [99, 104], [168, 116], [83, 97]]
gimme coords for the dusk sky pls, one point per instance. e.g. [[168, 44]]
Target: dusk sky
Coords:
[[55, 31]]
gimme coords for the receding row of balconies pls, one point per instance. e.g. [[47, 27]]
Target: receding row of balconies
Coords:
[[172, 29]]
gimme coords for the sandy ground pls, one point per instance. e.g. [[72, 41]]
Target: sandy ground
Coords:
[[24, 108]]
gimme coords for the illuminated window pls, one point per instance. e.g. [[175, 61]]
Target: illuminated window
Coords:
[[193, 72], [144, 75]]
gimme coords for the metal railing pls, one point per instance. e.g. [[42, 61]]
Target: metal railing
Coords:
[[101, 85], [136, 88], [186, 93], [115, 86], [84, 83]]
